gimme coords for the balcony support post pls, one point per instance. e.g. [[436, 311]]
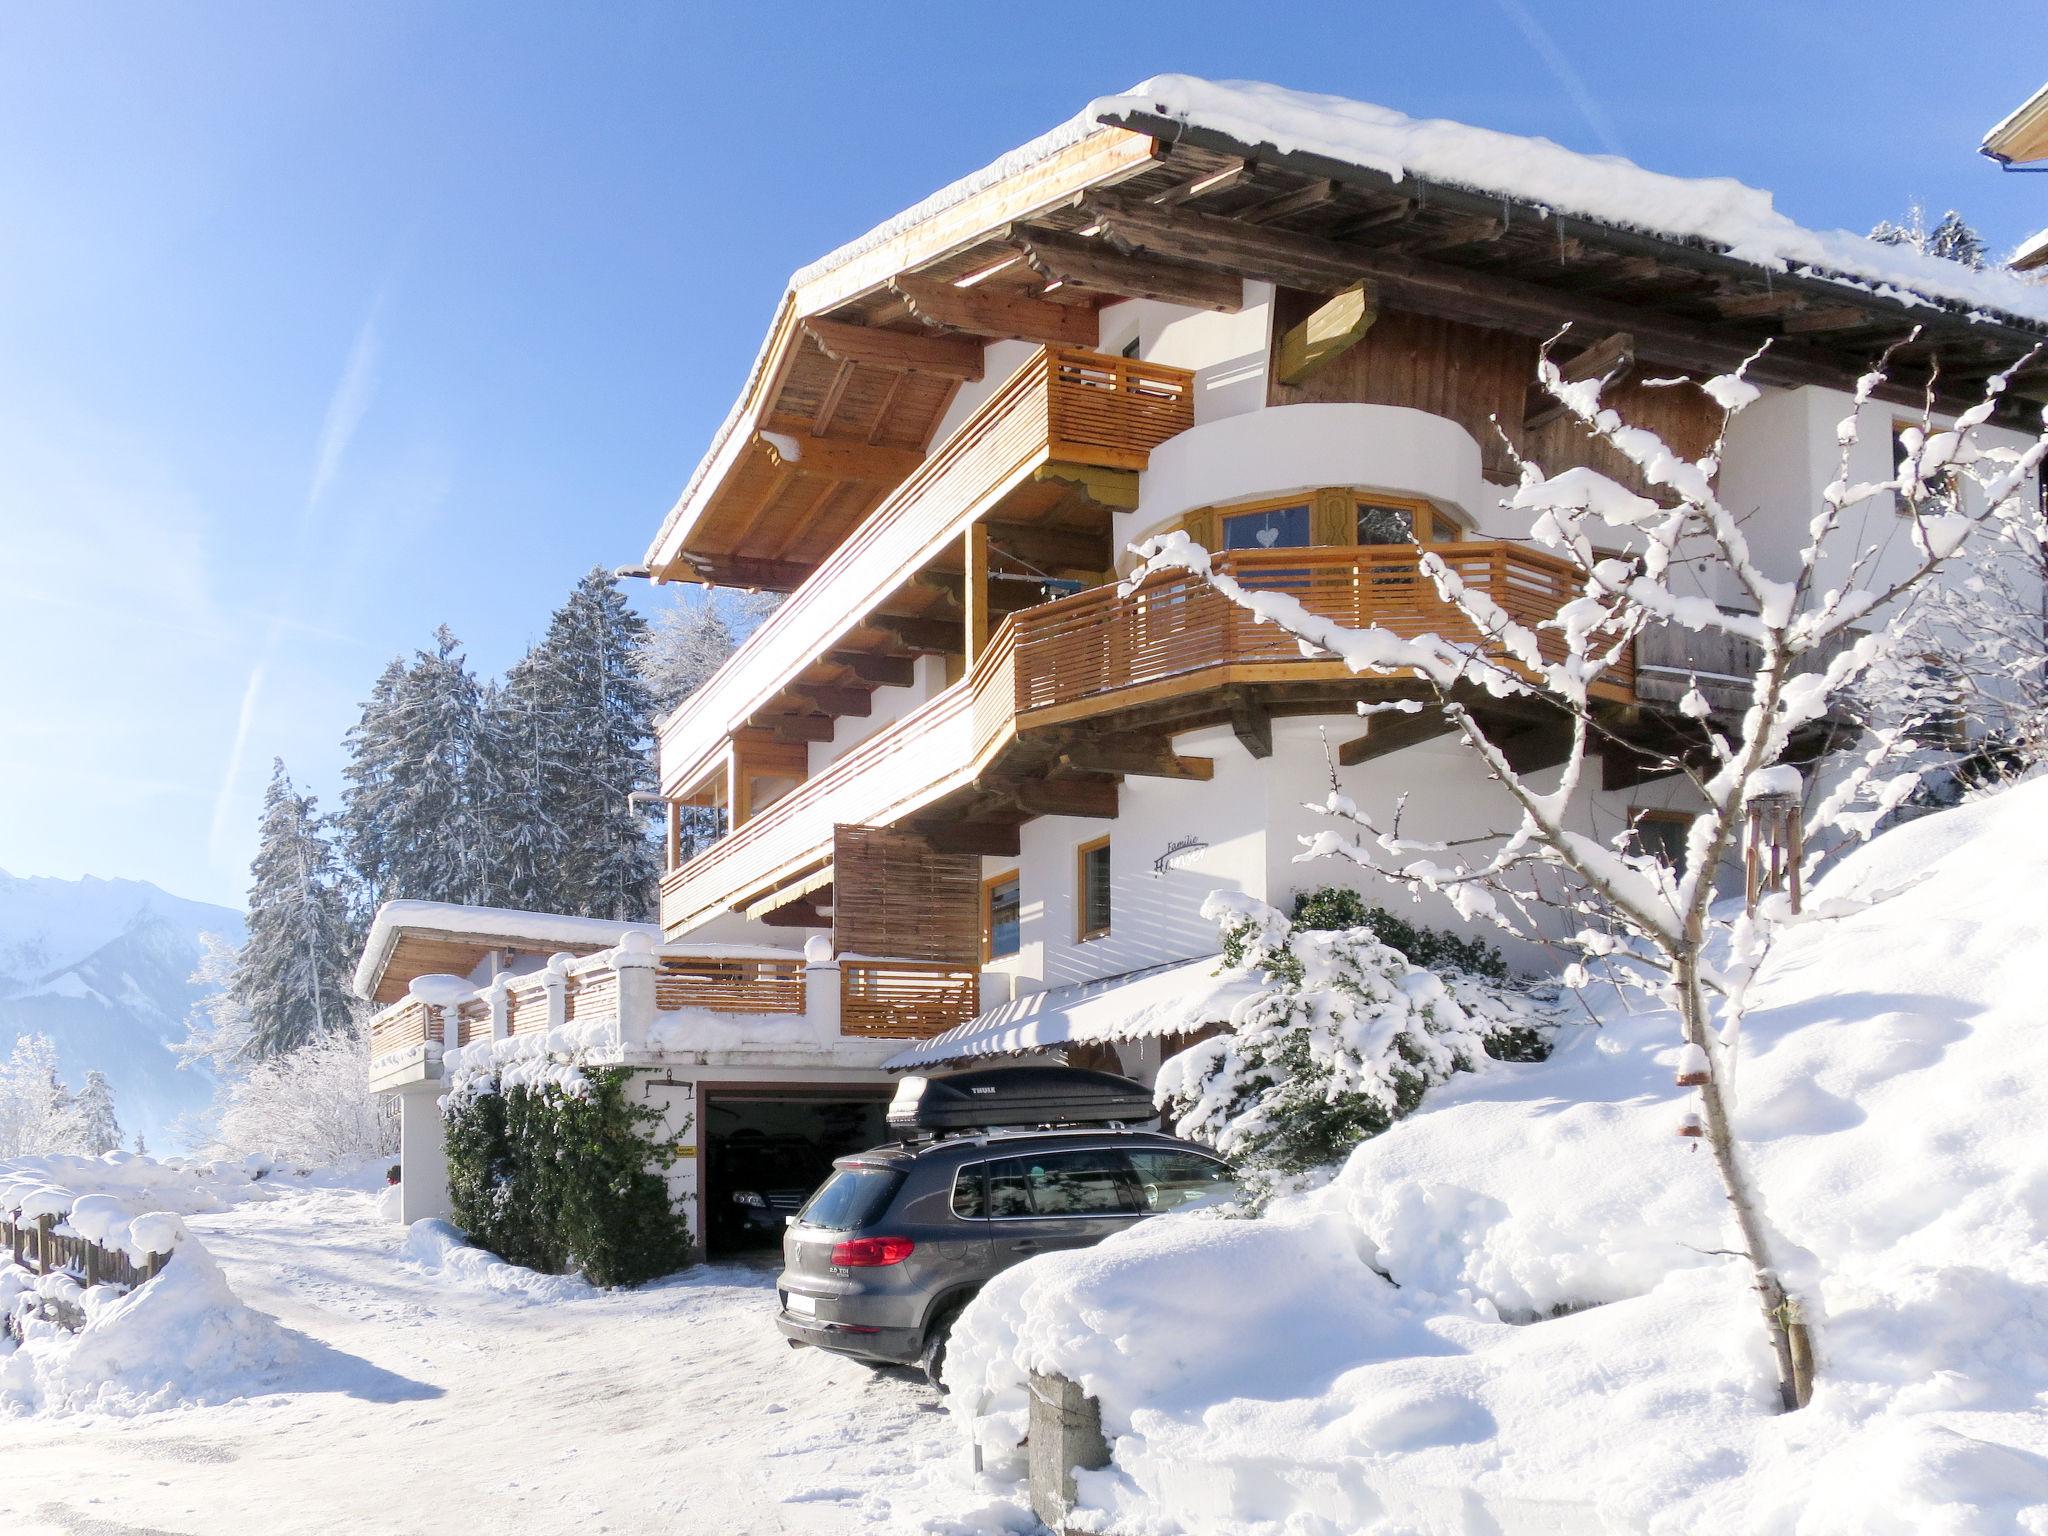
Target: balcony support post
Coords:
[[974, 595]]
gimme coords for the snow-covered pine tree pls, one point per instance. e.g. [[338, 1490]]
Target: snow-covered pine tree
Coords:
[[1951, 238], [99, 1132], [586, 718], [35, 1116], [435, 821], [217, 1026], [368, 802], [685, 644], [292, 975], [517, 763]]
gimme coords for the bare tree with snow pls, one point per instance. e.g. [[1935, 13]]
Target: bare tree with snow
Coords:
[[1815, 629], [311, 1106]]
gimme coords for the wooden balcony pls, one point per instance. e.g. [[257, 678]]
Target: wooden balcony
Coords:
[[1065, 408], [1174, 652]]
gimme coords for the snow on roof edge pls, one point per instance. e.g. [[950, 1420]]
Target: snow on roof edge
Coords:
[[394, 917], [1719, 210]]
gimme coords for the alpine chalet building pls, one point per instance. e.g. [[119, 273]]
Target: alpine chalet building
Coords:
[[974, 790]]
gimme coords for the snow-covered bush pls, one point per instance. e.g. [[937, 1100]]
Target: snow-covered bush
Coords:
[[1343, 1039], [312, 1106], [561, 1180]]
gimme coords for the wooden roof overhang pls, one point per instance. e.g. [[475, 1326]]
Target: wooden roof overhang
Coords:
[[417, 952], [2022, 138], [1310, 222]]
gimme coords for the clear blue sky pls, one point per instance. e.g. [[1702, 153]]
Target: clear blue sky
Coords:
[[324, 323]]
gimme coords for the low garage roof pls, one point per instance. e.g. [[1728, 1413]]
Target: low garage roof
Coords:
[[1167, 999]]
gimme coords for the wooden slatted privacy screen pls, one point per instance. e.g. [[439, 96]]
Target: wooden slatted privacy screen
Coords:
[[592, 998], [894, 894], [1113, 411], [729, 985], [897, 998], [475, 1021]]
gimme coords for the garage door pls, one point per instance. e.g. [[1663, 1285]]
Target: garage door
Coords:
[[763, 1149]]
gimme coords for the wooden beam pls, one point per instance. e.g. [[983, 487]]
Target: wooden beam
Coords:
[[1385, 734], [795, 727], [749, 571], [998, 313], [1327, 334], [1828, 317], [1201, 186], [1138, 760], [1065, 258], [1116, 489], [865, 462], [1472, 231], [836, 392], [1251, 722], [950, 357], [1757, 306], [974, 594], [1610, 358], [835, 698], [1277, 255], [1054, 548], [1065, 797], [801, 913], [1312, 194], [990, 839], [880, 671], [931, 637]]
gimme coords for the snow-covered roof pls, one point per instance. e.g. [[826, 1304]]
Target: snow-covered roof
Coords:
[[2032, 252], [1158, 1000], [1718, 213]]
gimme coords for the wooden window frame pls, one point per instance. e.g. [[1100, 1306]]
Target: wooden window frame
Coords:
[[988, 927], [1332, 515], [1082, 932], [1663, 815]]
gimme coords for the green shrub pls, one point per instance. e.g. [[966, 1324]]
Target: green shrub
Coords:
[[1337, 906], [559, 1181]]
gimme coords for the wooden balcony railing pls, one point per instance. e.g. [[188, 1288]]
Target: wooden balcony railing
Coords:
[[406, 1023], [1077, 655], [1065, 405], [730, 986], [1097, 652], [904, 998]]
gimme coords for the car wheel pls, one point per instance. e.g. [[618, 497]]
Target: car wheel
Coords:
[[933, 1357]]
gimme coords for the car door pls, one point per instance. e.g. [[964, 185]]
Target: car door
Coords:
[[1040, 1201]]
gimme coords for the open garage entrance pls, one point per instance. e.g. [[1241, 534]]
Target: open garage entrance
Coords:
[[765, 1147]]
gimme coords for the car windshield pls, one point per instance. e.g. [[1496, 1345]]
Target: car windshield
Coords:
[[851, 1198]]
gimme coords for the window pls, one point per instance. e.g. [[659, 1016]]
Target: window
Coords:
[[851, 1198], [1387, 520], [1661, 835], [1129, 348], [1282, 527], [1091, 895], [1168, 1181], [1001, 916], [970, 1192], [1096, 1182]]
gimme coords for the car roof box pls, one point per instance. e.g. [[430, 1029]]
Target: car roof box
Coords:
[[997, 1098]]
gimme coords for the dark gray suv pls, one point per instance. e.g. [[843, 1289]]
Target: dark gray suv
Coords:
[[892, 1246]]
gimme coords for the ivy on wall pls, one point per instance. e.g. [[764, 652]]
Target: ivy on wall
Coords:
[[561, 1181]]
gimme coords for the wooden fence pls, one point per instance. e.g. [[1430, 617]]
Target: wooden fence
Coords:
[[730, 985], [36, 1245], [905, 999]]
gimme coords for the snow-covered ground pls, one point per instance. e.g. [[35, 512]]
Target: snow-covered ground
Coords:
[[1567, 1349], [424, 1395]]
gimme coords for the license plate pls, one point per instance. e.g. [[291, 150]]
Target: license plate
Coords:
[[806, 1306]]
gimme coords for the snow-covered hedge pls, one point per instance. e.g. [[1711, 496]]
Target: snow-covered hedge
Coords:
[[1562, 1348]]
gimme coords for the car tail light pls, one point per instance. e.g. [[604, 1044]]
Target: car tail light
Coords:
[[869, 1252]]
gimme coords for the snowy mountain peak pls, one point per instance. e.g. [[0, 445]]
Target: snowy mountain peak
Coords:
[[103, 967]]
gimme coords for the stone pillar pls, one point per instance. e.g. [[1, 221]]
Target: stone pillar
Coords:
[[555, 979], [422, 1154], [821, 989], [501, 1012], [1066, 1436], [635, 965]]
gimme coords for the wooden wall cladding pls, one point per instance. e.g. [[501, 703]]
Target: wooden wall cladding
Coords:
[[1470, 374], [895, 895]]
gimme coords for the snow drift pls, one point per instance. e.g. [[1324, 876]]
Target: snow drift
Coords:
[[1562, 1348]]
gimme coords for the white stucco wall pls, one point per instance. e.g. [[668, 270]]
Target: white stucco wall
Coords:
[[1228, 352]]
